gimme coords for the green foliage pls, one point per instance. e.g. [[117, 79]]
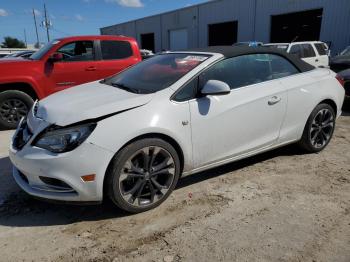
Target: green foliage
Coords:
[[11, 42]]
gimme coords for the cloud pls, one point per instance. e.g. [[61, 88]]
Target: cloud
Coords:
[[37, 12], [3, 12], [30, 12], [127, 3], [79, 17]]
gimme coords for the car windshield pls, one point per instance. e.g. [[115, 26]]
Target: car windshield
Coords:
[[42, 51], [156, 73], [346, 51]]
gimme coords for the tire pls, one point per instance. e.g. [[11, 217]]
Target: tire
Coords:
[[319, 129], [14, 105], [137, 187]]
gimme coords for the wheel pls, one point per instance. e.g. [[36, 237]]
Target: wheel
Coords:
[[143, 175], [13, 106], [319, 129]]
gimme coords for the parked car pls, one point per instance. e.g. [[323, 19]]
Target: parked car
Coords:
[[345, 75], [341, 61], [133, 134], [60, 64], [146, 54], [23, 54], [249, 43], [315, 53], [3, 54]]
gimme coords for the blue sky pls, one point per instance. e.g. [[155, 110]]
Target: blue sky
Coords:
[[76, 17]]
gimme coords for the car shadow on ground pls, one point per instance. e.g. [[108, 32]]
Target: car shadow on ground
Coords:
[[22, 210]]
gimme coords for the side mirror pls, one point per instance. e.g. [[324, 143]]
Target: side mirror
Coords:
[[56, 57], [215, 87]]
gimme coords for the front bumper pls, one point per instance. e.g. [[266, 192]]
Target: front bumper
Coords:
[[31, 164]]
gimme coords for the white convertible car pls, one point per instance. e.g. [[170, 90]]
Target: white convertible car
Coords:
[[131, 136]]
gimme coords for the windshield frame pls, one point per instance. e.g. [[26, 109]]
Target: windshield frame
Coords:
[[112, 80], [38, 55]]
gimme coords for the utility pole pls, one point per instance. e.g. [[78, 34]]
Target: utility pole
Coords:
[[36, 29], [25, 37], [47, 23]]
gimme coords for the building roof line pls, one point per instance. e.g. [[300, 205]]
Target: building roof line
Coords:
[[164, 13]]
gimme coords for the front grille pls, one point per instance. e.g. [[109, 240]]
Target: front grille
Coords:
[[22, 136], [54, 182], [23, 177]]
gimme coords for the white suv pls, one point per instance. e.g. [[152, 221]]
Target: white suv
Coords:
[[314, 53]]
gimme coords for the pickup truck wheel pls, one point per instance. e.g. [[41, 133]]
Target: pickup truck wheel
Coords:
[[14, 105]]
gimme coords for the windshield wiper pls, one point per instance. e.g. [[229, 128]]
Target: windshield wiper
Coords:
[[126, 88]]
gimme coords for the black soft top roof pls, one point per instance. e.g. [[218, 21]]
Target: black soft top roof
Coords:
[[232, 51]]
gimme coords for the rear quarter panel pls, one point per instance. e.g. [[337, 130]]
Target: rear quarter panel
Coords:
[[305, 91]]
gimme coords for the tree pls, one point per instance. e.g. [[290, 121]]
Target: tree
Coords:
[[11, 42]]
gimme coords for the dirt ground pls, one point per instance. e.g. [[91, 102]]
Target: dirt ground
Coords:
[[278, 206]]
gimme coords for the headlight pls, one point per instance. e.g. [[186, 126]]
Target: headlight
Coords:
[[60, 140]]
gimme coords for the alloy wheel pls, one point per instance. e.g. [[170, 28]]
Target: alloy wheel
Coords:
[[147, 176], [322, 128], [12, 110]]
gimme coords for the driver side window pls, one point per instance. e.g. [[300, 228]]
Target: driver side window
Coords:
[[77, 51]]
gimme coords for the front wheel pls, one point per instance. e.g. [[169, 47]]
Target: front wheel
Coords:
[[14, 105], [143, 175], [319, 129]]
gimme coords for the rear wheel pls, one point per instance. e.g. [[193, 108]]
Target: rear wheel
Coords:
[[143, 175], [14, 105], [318, 129]]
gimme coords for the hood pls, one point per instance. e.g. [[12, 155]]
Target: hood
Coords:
[[87, 101], [15, 60], [340, 60], [345, 74]]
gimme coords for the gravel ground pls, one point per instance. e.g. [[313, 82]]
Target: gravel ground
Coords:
[[278, 206]]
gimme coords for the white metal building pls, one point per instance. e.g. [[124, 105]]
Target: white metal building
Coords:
[[224, 22]]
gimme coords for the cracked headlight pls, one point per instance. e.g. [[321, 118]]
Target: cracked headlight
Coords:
[[64, 139]]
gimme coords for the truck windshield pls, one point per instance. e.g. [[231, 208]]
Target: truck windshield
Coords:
[[42, 51], [156, 73]]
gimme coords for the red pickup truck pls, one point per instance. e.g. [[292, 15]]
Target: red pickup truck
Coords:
[[61, 64]]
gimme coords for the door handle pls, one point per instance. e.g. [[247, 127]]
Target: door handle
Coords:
[[274, 100], [90, 68]]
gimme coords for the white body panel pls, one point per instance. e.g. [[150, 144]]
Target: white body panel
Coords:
[[245, 114], [210, 131]]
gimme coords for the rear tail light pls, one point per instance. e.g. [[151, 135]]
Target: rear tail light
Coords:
[[340, 80]]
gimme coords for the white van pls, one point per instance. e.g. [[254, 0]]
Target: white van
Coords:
[[315, 53]]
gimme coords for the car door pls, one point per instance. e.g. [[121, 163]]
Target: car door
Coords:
[[116, 55], [77, 66], [322, 50], [309, 55], [247, 119]]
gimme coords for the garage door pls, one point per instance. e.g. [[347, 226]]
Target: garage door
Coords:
[[178, 39], [299, 26]]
